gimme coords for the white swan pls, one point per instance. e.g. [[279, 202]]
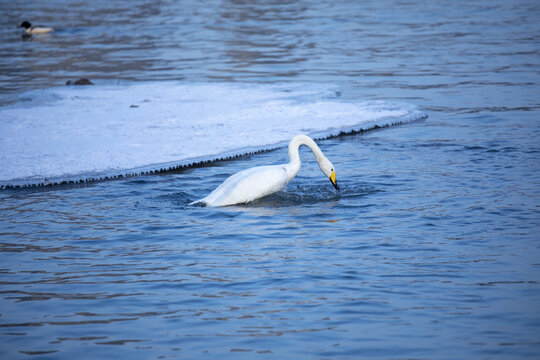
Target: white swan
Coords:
[[254, 183]]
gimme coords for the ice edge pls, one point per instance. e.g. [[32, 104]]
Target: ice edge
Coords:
[[415, 115]]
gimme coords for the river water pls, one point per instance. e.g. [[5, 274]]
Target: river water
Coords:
[[430, 250]]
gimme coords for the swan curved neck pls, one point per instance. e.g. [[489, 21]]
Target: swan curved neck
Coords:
[[296, 142], [300, 140]]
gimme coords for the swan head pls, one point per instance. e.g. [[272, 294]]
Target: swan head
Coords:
[[328, 169]]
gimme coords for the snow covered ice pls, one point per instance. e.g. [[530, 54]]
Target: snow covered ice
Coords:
[[76, 134]]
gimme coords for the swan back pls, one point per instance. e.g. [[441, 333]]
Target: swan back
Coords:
[[248, 185]]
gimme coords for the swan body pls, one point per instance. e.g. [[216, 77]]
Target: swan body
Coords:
[[29, 29], [257, 182]]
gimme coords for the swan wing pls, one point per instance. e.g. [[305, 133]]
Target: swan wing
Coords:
[[248, 185]]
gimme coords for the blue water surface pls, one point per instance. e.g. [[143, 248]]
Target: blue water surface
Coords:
[[429, 251]]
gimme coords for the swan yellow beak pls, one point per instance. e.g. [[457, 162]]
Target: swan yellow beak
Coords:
[[333, 180]]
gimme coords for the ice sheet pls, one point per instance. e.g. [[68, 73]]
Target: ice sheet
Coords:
[[95, 132]]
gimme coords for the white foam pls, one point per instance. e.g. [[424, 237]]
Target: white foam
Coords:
[[94, 132]]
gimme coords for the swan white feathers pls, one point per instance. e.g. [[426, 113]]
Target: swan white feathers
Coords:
[[257, 182]]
